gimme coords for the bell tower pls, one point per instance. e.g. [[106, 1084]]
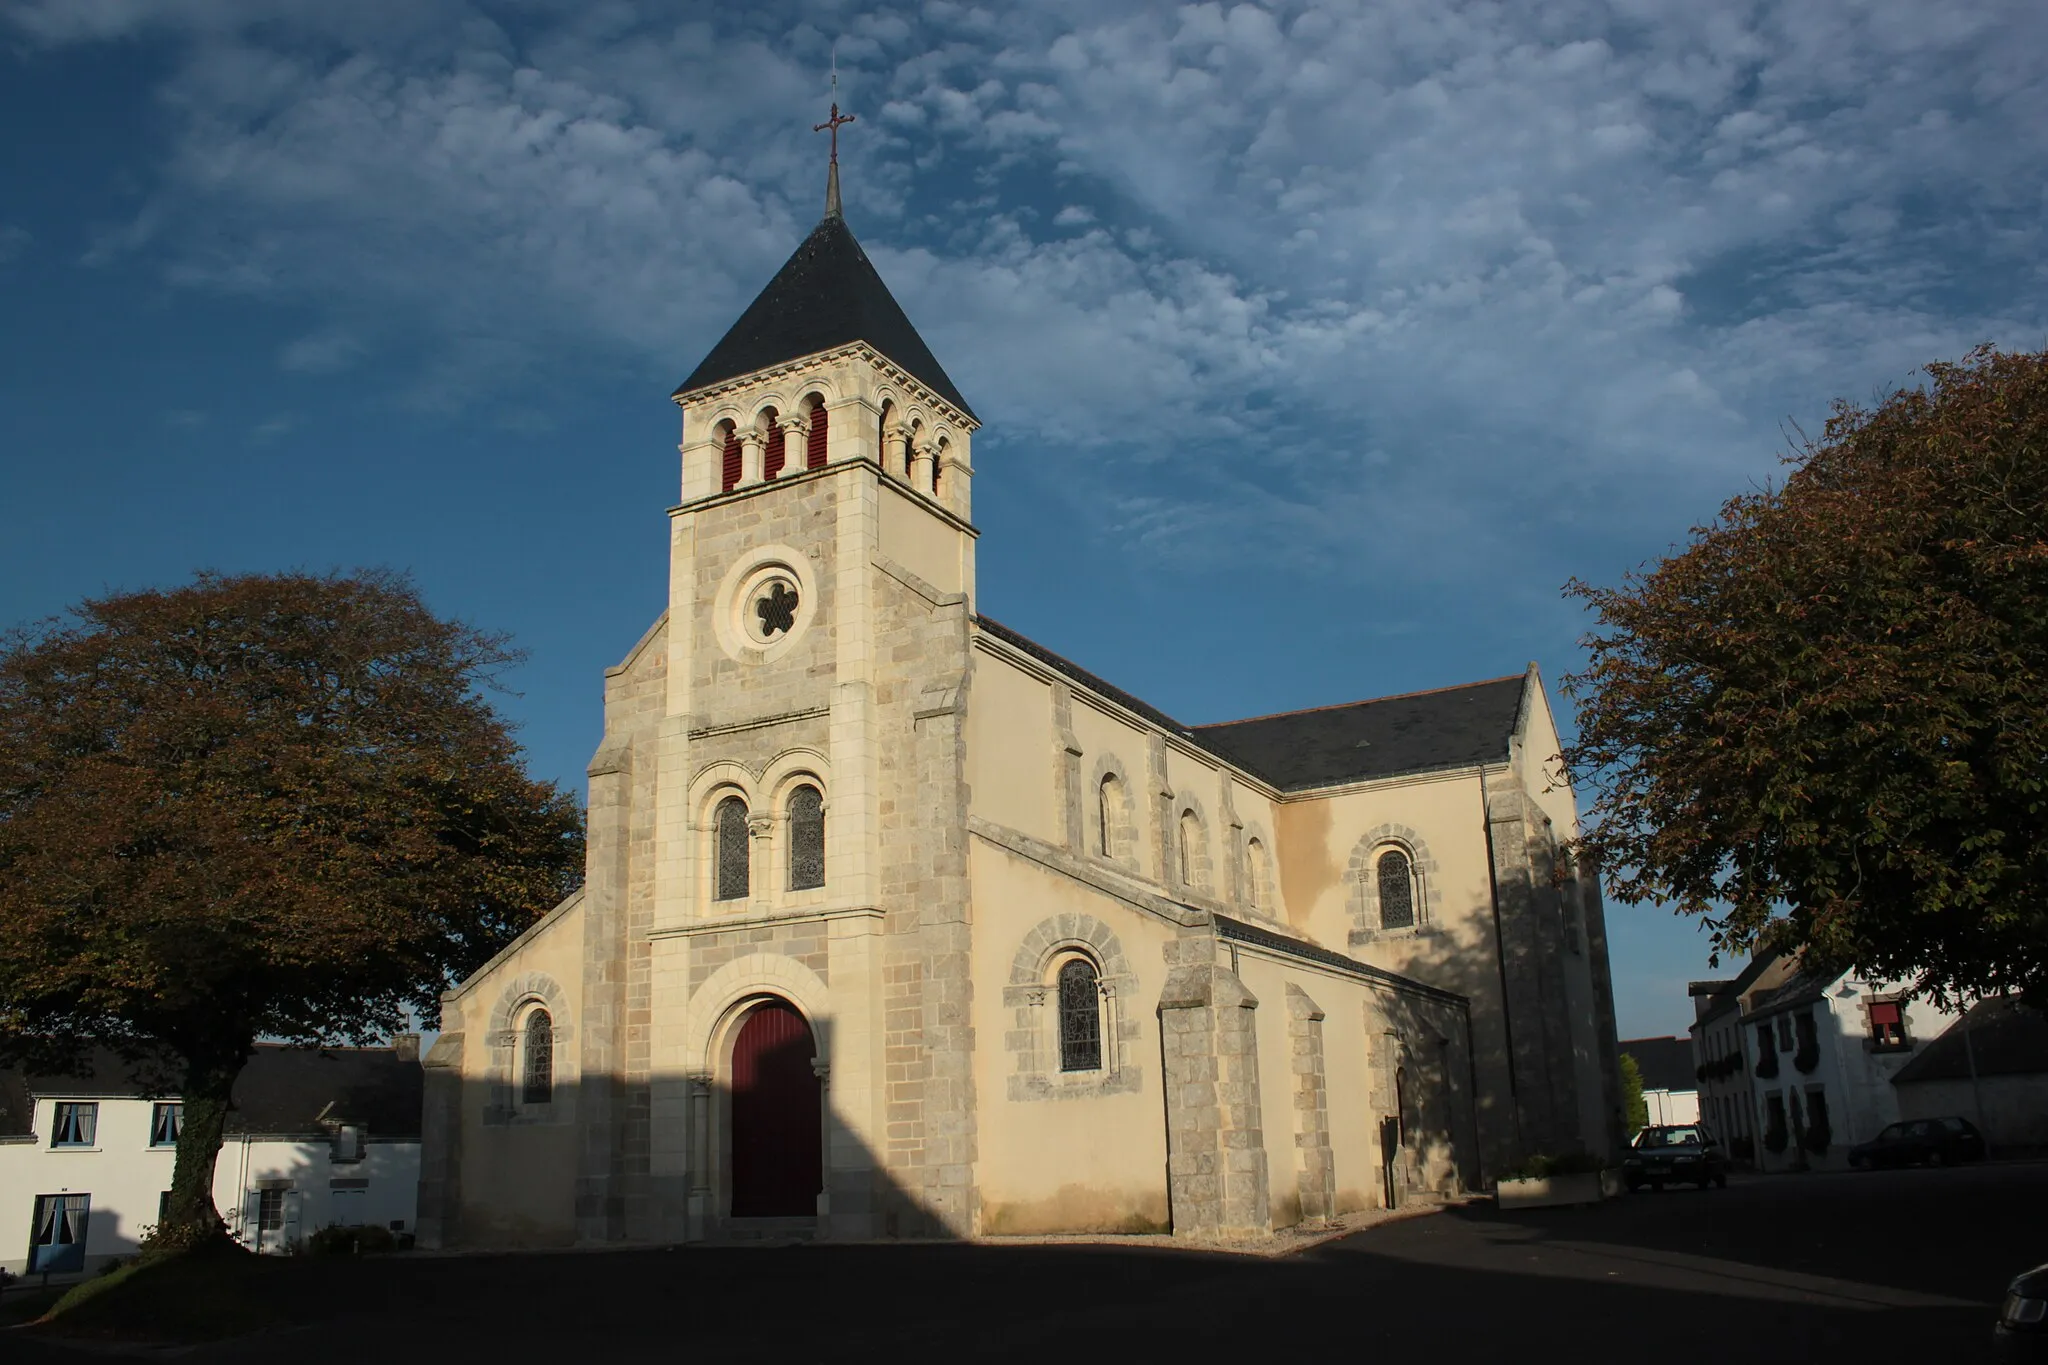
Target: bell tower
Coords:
[[814, 667]]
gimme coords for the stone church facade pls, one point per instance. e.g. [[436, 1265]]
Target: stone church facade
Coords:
[[898, 924]]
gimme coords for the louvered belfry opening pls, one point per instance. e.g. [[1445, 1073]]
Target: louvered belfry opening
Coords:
[[730, 478], [814, 455], [777, 447], [777, 1116]]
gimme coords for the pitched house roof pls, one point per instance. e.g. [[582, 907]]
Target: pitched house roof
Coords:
[[1666, 1063], [1450, 727], [827, 294], [282, 1090], [2008, 1036]]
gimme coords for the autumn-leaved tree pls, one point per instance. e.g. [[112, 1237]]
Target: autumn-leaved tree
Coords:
[[255, 807], [1635, 1110], [1824, 724]]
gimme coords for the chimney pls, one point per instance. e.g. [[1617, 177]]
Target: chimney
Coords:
[[407, 1046]]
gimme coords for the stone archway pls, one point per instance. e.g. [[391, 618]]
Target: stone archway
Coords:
[[776, 1114]]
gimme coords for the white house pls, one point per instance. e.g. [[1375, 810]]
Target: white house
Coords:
[[1671, 1093], [1807, 1061], [315, 1138]]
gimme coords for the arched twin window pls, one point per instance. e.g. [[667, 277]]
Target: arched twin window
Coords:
[[537, 1060], [1397, 890], [733, 856], [806, 839], [1080, 996]]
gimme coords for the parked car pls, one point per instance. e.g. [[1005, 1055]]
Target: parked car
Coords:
[[2022, 1330], [1935, 1142], [1678, 1153]]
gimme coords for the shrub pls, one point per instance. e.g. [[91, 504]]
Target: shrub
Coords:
[[351, 1241]]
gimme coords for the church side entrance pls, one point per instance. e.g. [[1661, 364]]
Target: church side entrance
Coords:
[[777, 1116]]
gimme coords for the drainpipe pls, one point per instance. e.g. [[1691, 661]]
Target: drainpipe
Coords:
[[1500, 958], [1976, 1090]]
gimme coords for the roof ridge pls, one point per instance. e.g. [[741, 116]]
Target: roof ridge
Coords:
[[1366, 701]]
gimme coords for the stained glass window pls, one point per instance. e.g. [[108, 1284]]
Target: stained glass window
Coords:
[[538, 1082], [732, 849], [776, 610], [1080, 1018], [806, 839], [1397, 891]]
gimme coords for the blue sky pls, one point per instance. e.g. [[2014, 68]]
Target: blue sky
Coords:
[[1355, 329]]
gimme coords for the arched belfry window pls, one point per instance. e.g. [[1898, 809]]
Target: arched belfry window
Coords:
[[1397, 890], [1080, 1016], [537, 1065], [939, 458], [814, 451], [731, 865], [729, 474], [806, 839], [776, 446]]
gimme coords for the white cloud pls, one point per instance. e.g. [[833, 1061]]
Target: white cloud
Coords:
[[1533, 259]]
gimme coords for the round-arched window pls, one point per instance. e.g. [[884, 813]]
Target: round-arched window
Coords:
[[1080, 1016], [1397, 890], [537, 1062], [806, 839], [731, 866]]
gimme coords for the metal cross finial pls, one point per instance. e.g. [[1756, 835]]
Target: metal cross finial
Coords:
[[833, 123]]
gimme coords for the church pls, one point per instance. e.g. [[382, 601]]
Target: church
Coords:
[[897, 923]]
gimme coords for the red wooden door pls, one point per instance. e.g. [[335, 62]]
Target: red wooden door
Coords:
[[777, 1116]]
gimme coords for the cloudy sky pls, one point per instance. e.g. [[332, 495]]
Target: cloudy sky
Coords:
[[1317, 345]]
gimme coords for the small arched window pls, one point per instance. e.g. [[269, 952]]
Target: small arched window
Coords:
[[1397, 890], [1190, 836], [885, 422], [732, 855], [814, 453], [1255, 875], [939, 458], [537, 1065], [729, 475], [1080, 1017], [776, 446], [1109, 802], [806, 839]]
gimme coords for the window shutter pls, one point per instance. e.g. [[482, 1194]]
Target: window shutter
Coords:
[[778, 446], [731, 479], [814, 455]]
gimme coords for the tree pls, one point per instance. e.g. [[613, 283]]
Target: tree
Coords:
[[1635, 1110], [1822, 725], [255, 807]]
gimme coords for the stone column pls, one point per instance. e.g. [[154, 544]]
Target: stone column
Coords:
[[753, 454], [700, 1212], [923, 457], [796, 445], [890, 456], [761, 862]]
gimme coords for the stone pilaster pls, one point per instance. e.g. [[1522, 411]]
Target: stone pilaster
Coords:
[[602, 1062], [438, 1221], [1215, 1145], [1315, 1172], [1066, 767]]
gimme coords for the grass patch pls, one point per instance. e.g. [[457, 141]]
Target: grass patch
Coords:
[[202, 1296]]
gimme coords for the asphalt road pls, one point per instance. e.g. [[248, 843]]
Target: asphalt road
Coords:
[[1899, 1266]]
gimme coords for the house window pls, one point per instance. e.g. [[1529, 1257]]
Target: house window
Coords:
[[1784, 1033], [537, 1073], [731, 825], [806, 839], [1080, 1017], [269, 1210], [76, 1126], [166, 1121], [60, 1227], [1397, 890], [163, 1208], [1888, 1024]]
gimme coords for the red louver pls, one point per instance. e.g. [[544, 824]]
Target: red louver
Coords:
[[732, 463], [778, 444], [814, 453]]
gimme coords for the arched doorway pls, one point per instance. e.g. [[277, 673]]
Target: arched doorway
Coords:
[[777, 1116]]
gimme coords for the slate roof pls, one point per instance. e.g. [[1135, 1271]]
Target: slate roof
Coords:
[[2009, 1037], [283, 1090], [828, 294], [1666, 1063], [1450, 727]]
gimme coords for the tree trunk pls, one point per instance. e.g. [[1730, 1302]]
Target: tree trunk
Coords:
[[191, 1221]]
